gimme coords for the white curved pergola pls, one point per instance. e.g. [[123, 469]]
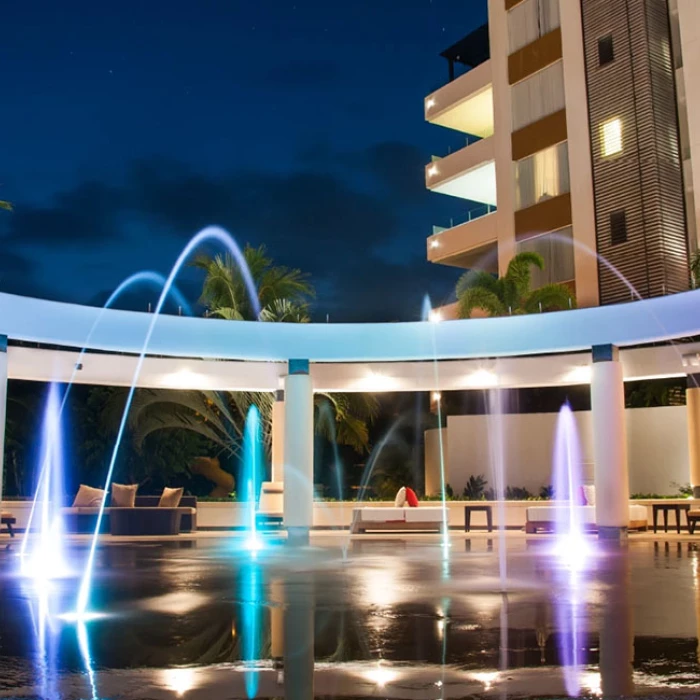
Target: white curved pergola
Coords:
[[534, 350], [74, 326]]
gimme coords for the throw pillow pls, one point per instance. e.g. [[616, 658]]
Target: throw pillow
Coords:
[[400, 500], [171, 498], [124, 496], [411, 498], [88, 497], [589, 493]]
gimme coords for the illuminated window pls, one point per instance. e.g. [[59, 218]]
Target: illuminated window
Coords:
[[611, 137]]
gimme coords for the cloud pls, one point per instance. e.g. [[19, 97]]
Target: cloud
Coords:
[[85, 213], [357, 222]]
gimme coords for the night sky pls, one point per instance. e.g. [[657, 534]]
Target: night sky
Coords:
[[127, 126]]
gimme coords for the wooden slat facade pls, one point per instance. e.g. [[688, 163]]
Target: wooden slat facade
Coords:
[[645, 179]]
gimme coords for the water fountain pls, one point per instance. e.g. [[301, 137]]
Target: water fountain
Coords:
[[211, 233], [571, 547], [49, 472], [42, 556], [251, 470], [432, 316], [568, 486]]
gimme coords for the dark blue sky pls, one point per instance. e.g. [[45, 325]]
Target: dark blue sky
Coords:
[[126, 126]]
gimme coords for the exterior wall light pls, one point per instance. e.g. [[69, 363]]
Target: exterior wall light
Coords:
[[432, 170]]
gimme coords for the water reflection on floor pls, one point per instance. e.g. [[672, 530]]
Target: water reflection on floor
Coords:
[[394, 619]]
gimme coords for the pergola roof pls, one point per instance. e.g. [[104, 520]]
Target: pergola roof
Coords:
[[72, 326], [536, 350]]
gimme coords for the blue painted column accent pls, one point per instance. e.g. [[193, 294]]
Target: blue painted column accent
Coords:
[[3, 408]]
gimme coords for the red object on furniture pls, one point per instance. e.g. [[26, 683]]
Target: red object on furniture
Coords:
[[411, 497]]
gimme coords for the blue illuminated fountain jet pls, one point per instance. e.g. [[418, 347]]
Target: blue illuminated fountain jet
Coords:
[[42, 556], [209, 234], [252, 466]]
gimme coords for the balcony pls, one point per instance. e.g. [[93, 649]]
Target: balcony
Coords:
[[472, 243], [469, 173], [465, 104]]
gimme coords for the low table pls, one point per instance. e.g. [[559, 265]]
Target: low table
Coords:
[[9, 520], [468, 510], [665, 508]]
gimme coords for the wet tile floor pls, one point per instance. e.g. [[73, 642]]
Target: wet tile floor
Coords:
[[368, 617]]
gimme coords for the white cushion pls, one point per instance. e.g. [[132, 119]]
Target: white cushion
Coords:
[[589, 494], [586, 514], [424, 515], [379, 515], [638, 512], [400, 500], [88, 497]]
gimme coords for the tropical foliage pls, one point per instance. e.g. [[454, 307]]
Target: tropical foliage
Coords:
[[218, 418], [695, 268], [5, 205], [283, 293], [511, 294]]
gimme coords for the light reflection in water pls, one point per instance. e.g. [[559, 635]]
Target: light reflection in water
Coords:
[[251, 622]]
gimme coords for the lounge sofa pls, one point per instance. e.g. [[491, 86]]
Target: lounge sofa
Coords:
[[145, 518], [390, 518], [543, 518]]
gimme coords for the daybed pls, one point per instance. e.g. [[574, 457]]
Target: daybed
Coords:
[[543, 518], [145, 518], [397, 519]]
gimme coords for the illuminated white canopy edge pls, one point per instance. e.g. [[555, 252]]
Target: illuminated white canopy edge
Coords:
[[70, 325]]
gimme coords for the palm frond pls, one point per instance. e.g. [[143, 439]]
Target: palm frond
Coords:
[[6, 205], [285, 311], [518, 277], [480, 298], [550, 297], [477, 278]]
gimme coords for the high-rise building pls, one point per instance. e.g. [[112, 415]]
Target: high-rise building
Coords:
[[582, 124]]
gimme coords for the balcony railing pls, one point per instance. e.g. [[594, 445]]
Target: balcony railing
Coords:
[[469, 139], [474, 213]]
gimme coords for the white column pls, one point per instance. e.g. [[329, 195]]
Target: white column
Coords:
[[609, 443], [692, 401], [277, 470], [3, 407], [298, 452]]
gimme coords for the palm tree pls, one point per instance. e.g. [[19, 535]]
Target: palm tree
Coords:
[[512, 293], [283, 293], [6, 205]]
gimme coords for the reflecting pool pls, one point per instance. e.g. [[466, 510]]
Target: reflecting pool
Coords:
[[203, 618]]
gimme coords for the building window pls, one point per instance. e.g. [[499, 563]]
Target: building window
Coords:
[[538, 96], [611, 137], [557, 249], [530, 20], [618, 227], [542, 176], [606, 50]]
